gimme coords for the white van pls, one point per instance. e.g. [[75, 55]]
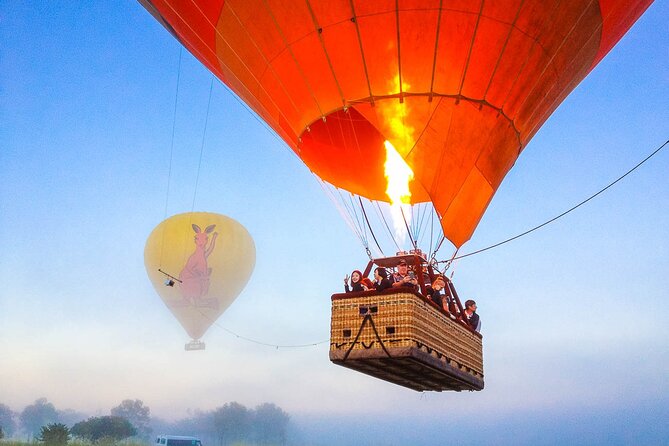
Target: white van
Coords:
[[177, 440]]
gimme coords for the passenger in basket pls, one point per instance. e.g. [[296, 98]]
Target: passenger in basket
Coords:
[[434, 292], [356, 282], [471, 317], [381, 281], [402, 278]]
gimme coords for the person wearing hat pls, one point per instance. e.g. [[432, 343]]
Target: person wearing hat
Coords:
[[402, 277]]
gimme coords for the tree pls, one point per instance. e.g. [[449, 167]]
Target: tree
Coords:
[[270, 424], [7, 422], [39, 414], [137, 413], [2, 434], [55, 434], [96, 428], [232, 422]]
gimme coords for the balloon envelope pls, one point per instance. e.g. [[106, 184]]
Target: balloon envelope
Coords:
[[459, 87], [199, 262]]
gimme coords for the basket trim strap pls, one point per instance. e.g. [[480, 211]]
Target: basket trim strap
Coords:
[[368, 317]]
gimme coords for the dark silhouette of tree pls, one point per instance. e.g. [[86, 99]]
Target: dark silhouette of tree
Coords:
[[2, 434], [232, 423], [7, 422], [96, 428], [38, 414], [138, 414], [270, 424], [55, 434]]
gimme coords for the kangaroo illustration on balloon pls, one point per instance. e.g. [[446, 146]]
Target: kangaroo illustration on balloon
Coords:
[[195, 274]]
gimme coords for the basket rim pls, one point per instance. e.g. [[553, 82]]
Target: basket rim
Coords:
[[403, 292]]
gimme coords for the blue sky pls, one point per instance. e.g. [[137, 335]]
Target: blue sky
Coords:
[[575, 316]]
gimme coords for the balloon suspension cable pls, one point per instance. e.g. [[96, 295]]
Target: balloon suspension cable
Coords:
[[390, 232], [417, 221], [352, 208], [435, 267], [349, 207], [418, 227], [425, 222], [450, 262], [370, 230], [255, 341], [343, 211], [568, 210], [434, 253], [169, 169], [360, 228], [406, 225], [431, 229]]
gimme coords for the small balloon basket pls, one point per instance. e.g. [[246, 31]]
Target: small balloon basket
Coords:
[[401, 337], [195, 344]]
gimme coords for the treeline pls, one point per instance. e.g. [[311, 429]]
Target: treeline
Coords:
[[29, 422], [232, 423]]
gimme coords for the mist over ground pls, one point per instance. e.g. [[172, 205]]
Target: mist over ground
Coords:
[[635, 425]]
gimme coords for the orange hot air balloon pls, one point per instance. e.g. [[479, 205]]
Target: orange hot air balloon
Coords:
[[199, 262], [459, 87]]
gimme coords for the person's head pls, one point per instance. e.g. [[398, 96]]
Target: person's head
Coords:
[[470, 305], [438, 283], [402, 267], [380, 273], [356, 276]]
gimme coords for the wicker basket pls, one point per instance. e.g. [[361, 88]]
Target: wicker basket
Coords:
[[402, 338]]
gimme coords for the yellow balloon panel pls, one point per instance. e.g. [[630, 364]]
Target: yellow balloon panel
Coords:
[[209, 259]]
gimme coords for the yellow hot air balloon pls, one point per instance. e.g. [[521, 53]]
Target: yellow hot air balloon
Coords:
[[199, 262]]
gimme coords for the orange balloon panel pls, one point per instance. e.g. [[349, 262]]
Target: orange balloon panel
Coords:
[[459, 87], [209, 259]]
